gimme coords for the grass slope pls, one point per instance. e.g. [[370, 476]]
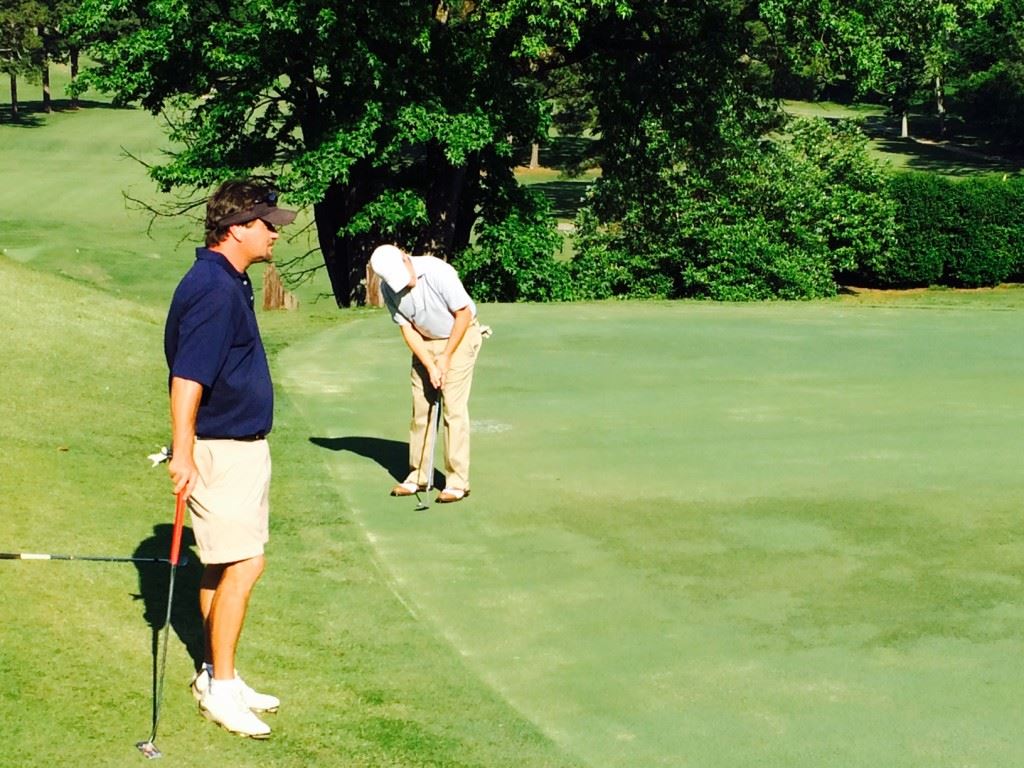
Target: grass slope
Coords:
[[83, 400], [364, 684]]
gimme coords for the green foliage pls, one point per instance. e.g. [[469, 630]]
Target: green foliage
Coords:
[[957, 233], [512, 259], [602, 269], [923, 216], [992, 66], [985, 245], [20, 41], [752, 260], [395, 119], [776, 219]]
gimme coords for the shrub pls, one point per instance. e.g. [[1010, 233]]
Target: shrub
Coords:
[[959, 233], [773, 219], [752, 261], [979, 253], [923, 218], [602, 271], [512, 259]]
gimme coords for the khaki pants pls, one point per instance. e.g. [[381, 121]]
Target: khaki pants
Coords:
[[455, 411]]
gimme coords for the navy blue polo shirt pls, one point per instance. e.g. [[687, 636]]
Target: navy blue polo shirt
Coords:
[[211, 337]]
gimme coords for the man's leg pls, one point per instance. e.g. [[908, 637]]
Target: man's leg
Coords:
[[457, 385], [226, 613], [423, 396], [224, 591], [207, 589]]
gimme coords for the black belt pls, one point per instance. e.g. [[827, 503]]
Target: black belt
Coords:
[[241, 438]]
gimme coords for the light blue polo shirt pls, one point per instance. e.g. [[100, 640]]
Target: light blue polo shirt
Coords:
[[430, 304]]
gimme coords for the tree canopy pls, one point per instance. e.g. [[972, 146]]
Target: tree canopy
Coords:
[[398, 120]]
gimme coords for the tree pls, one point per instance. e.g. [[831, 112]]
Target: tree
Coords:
[[56, 45], [19, 41], [776, 218], [990, 68], [394, 120], [899, 49]]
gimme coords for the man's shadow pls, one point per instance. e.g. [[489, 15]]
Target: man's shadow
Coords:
[[392, 455], [154, 582]]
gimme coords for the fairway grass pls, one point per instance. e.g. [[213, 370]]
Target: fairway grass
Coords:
[[713, 535]]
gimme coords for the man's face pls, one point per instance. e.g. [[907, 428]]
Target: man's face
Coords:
[[257, 238]]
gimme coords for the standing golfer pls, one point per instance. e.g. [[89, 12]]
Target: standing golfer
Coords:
[[222, 405], [438, 321]]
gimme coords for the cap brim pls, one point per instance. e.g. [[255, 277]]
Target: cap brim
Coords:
[[279, 217], [397, 281], [271, 214]]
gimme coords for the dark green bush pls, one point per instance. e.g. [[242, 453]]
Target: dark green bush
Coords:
[[979, 248], [512, 259], [752, 261], [601, 271], [967, 233], [773, 219], [923, 218]]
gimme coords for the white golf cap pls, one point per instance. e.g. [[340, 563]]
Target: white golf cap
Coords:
[[389, 266]]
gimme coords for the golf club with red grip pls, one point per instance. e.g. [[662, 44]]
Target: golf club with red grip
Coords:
[[148, 747]]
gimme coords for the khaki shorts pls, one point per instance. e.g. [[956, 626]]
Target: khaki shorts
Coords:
[[230, 504]]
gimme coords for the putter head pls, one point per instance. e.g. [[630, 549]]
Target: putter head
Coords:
[[149, 750], [420, 504]]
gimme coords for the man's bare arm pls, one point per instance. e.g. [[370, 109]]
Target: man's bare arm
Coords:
[[185, 397]]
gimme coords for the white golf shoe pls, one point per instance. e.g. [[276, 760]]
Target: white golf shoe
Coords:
[[254, 700], [228, 710]]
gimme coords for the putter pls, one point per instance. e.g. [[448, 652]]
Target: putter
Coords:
[[148, 747], [92, 558], [420, 504]]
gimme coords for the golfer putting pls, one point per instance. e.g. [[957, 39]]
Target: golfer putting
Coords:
[[438, 321], [222, 404]]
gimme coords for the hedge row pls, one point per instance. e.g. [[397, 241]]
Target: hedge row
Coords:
[[958, 233]]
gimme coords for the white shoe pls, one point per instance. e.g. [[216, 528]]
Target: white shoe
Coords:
[[228, 710], [254, 700]]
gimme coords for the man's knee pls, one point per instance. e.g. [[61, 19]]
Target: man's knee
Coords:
[[242, 575]]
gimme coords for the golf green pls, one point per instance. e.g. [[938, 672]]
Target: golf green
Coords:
[[709, 535]]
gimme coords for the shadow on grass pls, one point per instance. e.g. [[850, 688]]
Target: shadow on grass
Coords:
[[154, 583], [31, 114], [942, 159], [563, 153], [392, 455], [566, 197]]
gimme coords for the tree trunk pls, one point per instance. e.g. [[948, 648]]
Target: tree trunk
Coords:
[[47, 101], [905, 125], [74, 75], [14, 97], [274, 294], [444, 183], [327, 225], [346, 256], [328, 213], [940, 104], [535, 155]]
